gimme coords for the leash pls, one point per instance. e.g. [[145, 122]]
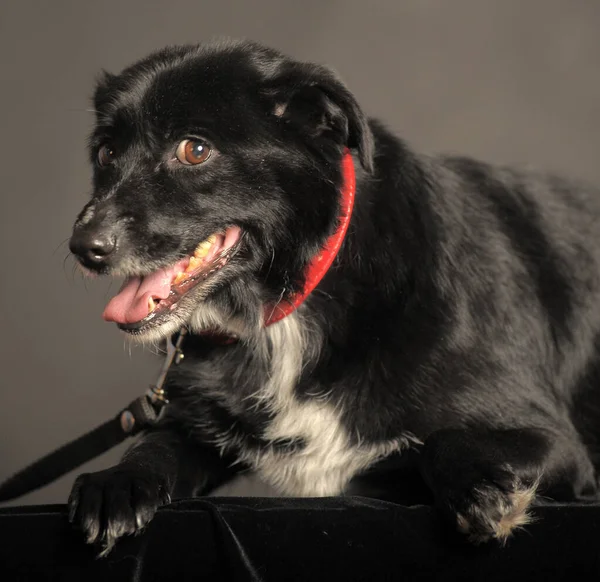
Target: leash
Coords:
[[142, 413], [146, 410]]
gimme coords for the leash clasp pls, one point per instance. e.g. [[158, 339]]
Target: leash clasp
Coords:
[[157, 393], [148, 408]]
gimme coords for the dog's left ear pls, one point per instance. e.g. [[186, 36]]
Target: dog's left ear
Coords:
[[317, 104]]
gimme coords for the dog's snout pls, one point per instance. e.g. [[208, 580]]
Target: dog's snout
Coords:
[[93, 248]]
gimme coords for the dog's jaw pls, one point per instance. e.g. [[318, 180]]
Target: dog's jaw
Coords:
[[151, 307], [198, 313]]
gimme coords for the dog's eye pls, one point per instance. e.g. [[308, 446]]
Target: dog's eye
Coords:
[[192, 151], [106, 155]]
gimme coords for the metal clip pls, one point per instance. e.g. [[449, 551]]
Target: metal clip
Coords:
[[157, 393]]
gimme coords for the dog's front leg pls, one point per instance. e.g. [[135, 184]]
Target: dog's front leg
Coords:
[[122, 500], [485, 480]]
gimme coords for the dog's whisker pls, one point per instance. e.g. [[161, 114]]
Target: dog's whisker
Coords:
[[74, 271], [108, 289], [154, 350], [152, 347], [64, 268], [60, 245], [321, 292], [277, 303], [129, 349], [270, 264], [78, 110]]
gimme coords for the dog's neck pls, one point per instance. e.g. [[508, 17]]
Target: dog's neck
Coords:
[[320, 263], [393, 242]]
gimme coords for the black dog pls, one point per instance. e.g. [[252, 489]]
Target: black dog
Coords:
[[456, 331]]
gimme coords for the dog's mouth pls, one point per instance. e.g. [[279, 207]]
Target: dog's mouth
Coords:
[[150, 300]]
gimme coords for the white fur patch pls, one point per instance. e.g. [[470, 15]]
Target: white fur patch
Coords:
[[500, 517], [207, 317], [87, 215], [330, 458], [280, 109]]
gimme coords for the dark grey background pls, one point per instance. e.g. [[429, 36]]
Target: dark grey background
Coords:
[[506, 80]]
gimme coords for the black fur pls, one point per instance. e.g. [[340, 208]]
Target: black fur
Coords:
[[460, 319]]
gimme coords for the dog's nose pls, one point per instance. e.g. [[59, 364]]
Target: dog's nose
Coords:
[[92, 248]]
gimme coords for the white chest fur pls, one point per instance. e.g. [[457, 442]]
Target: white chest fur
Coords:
[[330, 458]]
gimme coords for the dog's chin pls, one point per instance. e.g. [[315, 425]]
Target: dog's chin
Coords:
[[154, 334]]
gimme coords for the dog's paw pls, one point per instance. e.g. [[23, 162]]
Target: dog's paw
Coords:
[[492, 506], [495, 514], [116, 502]]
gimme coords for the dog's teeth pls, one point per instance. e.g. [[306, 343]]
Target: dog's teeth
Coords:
[[203, 248], [151, 305], [195, 262], [179, 278]]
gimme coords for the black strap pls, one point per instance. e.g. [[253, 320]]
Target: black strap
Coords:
[[140, 414]]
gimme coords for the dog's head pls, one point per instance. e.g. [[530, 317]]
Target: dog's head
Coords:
[[216, 179]]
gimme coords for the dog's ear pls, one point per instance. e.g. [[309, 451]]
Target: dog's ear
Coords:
[[314, 101], [104, 86]]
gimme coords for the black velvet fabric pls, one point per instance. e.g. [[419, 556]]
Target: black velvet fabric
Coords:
[[251, 539]]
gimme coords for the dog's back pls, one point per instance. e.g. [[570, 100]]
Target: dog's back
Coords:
[[540, 235]]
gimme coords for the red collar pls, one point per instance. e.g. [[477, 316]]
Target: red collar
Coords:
[[320, 264]]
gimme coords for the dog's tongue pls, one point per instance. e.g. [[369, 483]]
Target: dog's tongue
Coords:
[[130, 304]]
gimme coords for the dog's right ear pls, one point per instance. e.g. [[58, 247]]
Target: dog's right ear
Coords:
[[316, 103]]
